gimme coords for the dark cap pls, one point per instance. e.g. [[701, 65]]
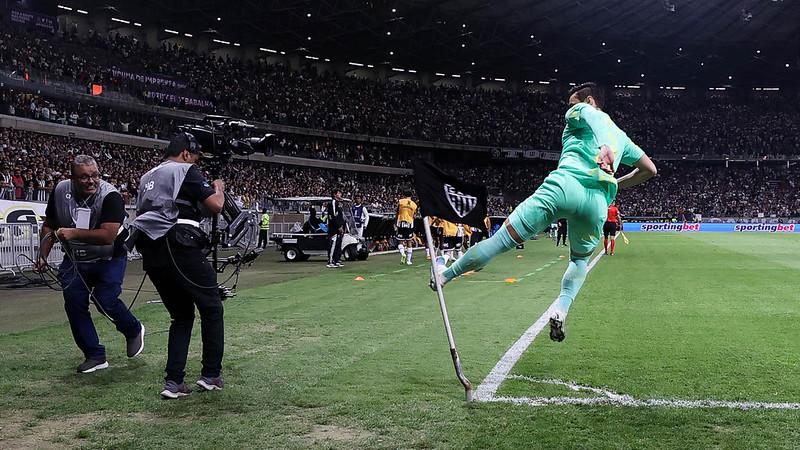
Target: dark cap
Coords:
[[182, 141]]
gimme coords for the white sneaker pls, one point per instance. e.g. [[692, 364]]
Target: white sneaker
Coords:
[[408, 262], [439, 275]]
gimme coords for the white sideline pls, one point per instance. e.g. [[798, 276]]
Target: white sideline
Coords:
[[488, 388], [613, 398]]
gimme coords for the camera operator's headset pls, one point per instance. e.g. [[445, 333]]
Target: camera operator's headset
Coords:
[[188, 142]]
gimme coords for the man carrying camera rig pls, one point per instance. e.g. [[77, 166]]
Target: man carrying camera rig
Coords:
[[85, 214], [173, 198]]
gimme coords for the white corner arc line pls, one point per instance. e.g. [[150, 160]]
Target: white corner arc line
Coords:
[[488, 388], [613, 398]]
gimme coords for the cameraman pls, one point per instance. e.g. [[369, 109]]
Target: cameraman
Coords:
[[173, 253]]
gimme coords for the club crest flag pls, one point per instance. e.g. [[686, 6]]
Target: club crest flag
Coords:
[[447, 197]]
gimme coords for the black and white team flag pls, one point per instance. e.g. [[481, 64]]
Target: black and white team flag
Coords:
[[447, 197]]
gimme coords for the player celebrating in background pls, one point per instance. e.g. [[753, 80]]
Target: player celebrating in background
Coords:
[[610, 228], [406, 210], [580, 190]]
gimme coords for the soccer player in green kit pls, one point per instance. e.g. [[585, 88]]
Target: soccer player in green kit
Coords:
[[580, 189]]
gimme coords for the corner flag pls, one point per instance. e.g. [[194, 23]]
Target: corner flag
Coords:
[[451, 199]]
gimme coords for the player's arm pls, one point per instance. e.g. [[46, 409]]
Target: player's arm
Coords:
[[644, 169]]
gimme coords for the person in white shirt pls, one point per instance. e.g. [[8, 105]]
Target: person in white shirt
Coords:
[[360, 216]]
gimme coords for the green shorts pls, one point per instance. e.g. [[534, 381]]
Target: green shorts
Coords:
[[561, 195]]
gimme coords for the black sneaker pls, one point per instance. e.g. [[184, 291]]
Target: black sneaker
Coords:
[[210, 383], [136, 343], [556, 329], [174, 390], [93, 364]]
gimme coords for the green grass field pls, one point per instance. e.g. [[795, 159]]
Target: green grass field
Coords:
[[322, 361]]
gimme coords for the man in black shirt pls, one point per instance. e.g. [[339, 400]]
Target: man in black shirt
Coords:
[[336, 225], [173, 198], [84, 214], [561, 232]]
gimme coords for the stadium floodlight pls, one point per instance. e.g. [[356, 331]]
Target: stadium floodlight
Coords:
[[282, 52], [268, 50], [355, 64], [500, 79], [137, 24], [126, 22], [236, 44], [64, 7], [543, 82], [439, 74], [455, 75], [312, 57], [412, 71], [219, 41], [370, 66], [188, 35], [167, 30], [397, 69], [327, 60], [787, 65], [82, 11]]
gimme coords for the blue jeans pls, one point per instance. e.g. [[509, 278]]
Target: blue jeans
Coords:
[[104, 279]]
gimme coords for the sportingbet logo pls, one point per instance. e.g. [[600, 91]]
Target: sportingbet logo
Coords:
[[461, 203], [670, 227], [764, 227]]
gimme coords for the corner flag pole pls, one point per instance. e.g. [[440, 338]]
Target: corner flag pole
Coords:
[[453, 352]]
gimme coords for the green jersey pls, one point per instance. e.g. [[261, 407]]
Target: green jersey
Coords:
[[586, 131]]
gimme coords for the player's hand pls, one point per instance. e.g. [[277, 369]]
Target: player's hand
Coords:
[[40, 265], [605, 159], [65, 234], [218, 184]]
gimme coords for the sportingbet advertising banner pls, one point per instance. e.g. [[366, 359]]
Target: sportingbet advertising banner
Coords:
[[667, 227]]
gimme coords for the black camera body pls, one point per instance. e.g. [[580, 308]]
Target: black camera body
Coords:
[[221, 137]]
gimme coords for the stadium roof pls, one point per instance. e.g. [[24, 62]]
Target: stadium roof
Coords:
[[618, 41]]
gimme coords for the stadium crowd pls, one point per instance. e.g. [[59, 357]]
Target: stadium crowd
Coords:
[[749, 125], [714, 126]]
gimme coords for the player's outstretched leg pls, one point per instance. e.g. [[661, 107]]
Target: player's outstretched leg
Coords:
[[570, 285]]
